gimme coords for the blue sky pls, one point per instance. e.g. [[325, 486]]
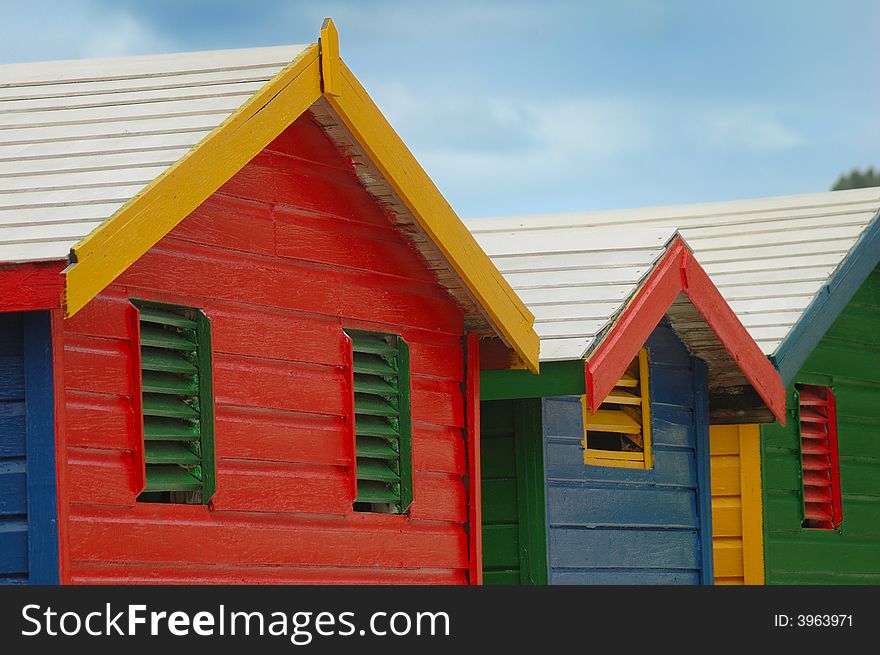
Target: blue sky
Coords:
[[524, 107]]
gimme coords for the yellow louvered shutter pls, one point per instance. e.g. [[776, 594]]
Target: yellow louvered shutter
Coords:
[[619, 432]]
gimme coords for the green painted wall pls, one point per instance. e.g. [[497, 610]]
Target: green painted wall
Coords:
[[514, 538], [848, 359]]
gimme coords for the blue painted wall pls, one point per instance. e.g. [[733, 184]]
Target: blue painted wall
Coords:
[[28, 502], [630, 526], [13, 464]]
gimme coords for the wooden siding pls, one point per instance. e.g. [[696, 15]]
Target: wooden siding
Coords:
[[737, 526], [283, 256], [847, 359], [514, 524], [634, 526], [28, 506], [13, 461]]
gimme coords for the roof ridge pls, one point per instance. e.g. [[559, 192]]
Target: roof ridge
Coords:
[[686, 210]]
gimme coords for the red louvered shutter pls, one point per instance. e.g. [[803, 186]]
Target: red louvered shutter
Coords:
[[819, 458]]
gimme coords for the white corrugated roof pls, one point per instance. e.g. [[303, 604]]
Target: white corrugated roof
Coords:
[[768, 257], [574, 281], [79, 138]]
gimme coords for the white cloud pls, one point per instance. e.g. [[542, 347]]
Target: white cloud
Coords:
[[485, 151], [749, 128], [478, 147], [121, 34], [415, 19], [76, 30], [466, 122]]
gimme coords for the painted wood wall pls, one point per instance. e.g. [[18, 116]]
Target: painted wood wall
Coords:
[[13, 460], [737, 523], [28, 501], [514, 532], [629, 526], [280, 258], [847, 358]]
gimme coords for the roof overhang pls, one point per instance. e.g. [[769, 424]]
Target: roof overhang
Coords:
[[826, 306], [743, 384], [316, 80]]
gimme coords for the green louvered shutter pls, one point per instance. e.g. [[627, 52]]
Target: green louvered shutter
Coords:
[[177, 404], [383, 428]]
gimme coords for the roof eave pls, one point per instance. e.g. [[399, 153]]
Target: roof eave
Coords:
[[828, 303], [508, 315]]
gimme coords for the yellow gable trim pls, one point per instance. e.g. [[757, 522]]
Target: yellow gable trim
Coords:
[[118, 242], [436, 217], [329, 45], [139, 224]]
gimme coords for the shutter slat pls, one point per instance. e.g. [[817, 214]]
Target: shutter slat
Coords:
[[814, 431], [812, 396], [372, 365], [370, 491], [609, 420], [374, 385], [375, 448], [817, 495], [155, 382], [170, 477], [169, 453], [162, 317], [815, 462], [167, 406], [817, 512], [810, 415], [379, 470], [817, 478], [169, 429], [815, 447], [157, 337], [621, 397], [373, 344], [374, 426], [373, 406], [164, 361]]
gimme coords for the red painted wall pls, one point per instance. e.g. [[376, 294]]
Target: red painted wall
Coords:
[[280, 258]]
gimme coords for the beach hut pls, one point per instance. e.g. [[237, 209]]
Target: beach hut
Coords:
[[597, 470], [797, 503], [239, 329]]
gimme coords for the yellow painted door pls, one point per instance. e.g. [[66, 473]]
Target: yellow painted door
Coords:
[[737, 517]]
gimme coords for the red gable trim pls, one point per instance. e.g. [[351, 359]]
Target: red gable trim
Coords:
[[31, 287], [679, 272]]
